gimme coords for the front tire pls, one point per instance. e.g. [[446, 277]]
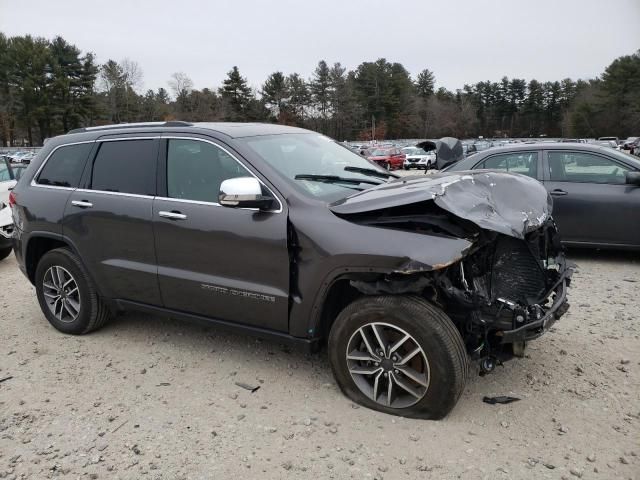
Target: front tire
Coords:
[[67, 295], [403, 341]]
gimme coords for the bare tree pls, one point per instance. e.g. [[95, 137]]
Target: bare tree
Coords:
[[180, 84], [132, 73]]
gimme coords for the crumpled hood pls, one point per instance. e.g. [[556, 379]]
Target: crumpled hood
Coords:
[[506, 203]]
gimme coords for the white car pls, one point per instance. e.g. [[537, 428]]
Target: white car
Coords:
[[7, 182], [418, 158]]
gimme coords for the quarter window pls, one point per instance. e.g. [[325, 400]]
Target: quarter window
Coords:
[[125, 166], [64, 167], [525, 163], [196, 169], [583, 167]]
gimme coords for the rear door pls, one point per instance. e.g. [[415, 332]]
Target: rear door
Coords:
[[108, 218], [592, 203], [225, 263]]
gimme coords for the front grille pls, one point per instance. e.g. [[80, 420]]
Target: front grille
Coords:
[[516, 273]]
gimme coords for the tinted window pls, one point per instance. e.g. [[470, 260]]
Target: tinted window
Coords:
[[126, 166], [5, 174], [582, 167], [196, 169], [525, 163], [64, 167]]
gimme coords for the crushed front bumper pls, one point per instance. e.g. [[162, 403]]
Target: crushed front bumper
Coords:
[[536, 328]]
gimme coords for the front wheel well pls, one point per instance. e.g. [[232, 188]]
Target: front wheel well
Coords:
[[341, 293], [36, 248]]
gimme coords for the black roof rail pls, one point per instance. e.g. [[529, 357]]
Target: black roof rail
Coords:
[[170, 123]]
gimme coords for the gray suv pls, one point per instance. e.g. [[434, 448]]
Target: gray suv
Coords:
[[284, 233]]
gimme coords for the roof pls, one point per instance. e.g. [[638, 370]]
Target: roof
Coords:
[[230, 129]]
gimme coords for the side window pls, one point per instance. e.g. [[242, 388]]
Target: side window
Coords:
[[196, 169], [583, 167], [524, 163], [5, 174], [125, 166], [64, 167]]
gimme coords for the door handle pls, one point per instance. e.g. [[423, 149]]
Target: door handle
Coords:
[[172, 215], [558, 193], [81, 203]]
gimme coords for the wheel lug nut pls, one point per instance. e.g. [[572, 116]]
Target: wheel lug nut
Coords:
[[376, 364], [396, 372], [386, 374]]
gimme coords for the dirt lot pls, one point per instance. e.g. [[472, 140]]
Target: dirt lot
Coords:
[[155, 398]]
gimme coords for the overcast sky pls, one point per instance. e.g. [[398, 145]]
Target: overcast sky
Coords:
[[461, 41]]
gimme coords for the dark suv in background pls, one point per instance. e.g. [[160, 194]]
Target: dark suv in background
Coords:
[[286, 234]]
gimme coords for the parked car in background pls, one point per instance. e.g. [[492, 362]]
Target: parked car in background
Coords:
[[281, 232], [18, 169], [615, 139], [630, 144], [595, 190], [390, 158], [7, 182], [607, 144], [417, 158]]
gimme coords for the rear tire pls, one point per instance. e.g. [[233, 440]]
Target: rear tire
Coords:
[[4, 252], [437, 379], [76, 312]]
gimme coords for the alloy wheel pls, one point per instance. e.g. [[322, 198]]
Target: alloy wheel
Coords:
[[61, 293], [388, 365]]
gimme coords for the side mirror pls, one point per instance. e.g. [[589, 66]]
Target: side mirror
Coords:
[[243, 192], [632, 178]]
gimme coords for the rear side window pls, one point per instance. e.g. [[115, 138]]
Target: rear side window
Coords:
[[524, 163], [64, 167], [125, 166]]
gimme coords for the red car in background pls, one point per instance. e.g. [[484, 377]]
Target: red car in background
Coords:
[[389, 158]]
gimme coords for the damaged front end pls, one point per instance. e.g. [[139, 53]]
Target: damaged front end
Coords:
[[508, 287]]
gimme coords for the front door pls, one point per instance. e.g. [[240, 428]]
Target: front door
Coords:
[[225, 263], [591, 202]]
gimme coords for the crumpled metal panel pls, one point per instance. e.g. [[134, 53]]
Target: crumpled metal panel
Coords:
[[502, 202]]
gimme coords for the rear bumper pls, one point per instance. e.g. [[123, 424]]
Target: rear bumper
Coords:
[[539, 326]]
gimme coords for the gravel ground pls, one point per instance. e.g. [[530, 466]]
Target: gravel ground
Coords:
[[156, 398]]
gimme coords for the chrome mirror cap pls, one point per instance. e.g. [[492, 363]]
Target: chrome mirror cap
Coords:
[[243, 192]]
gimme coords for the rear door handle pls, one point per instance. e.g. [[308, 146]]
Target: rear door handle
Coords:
[[558, 193], [173, 215], [81, 203]]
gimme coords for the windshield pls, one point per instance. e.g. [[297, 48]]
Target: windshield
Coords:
[[307, 155]]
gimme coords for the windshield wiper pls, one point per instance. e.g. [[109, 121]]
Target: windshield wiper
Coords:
[[334, 179], [371, 172]]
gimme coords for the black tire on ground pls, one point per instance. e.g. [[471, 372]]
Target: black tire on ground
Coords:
[[93, 312], [4, 252], [432, 330], [406, 168]]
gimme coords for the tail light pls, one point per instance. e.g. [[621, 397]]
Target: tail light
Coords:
[[12, 199]]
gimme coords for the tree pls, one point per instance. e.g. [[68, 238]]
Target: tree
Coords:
[[275, 93], [238, 97], [320, 87], [425, 83]]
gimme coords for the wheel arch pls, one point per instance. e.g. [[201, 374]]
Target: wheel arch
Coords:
[[38, 244]]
